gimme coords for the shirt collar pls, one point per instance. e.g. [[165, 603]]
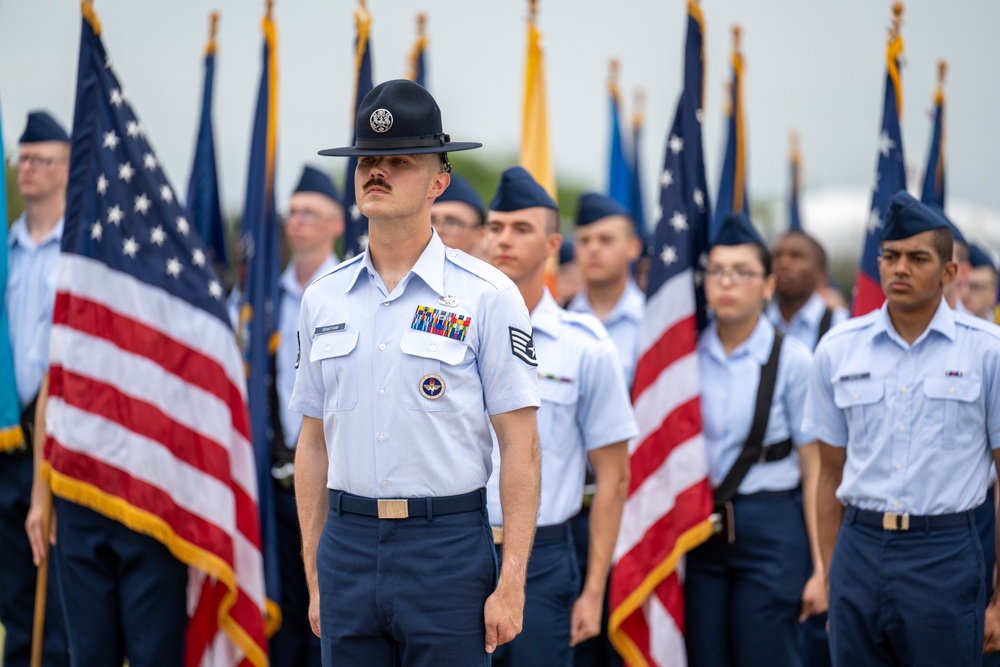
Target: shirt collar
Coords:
[[290, 283], [943, 323], [18, 234], [758, 345], [429, 266], [629, 306], [545, 316], [809, 314]]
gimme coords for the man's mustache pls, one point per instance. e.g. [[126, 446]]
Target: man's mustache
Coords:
[[377, 182]]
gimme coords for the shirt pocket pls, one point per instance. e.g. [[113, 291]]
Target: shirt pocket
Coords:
[[953, 410], [862, 402], [426, 354], [557, 425], [339, 362]]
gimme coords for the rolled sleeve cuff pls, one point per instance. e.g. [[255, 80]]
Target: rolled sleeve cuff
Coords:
[[306, 408], [610, 436], [513, 401], [823, 434]]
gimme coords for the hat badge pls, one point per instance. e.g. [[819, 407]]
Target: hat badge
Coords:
[[381, 120]]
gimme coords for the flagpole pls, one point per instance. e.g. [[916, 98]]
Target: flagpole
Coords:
[[42, 578]]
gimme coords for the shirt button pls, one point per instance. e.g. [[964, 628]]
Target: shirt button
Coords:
[[434, 347], [381, 392], [909, 353], [901, 428], [855, 394], [327, 348], [895, 503], [902, 390], [381, 346], [385, 303], [384, 482], [951, 390], [899, 466], [381, 437]]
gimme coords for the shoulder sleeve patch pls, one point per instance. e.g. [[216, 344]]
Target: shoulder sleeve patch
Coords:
[[522, 346]]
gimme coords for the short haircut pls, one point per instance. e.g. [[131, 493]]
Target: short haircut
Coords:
[[819, 252], [551, 221], [765, 257], [960, 249], [942, 241]]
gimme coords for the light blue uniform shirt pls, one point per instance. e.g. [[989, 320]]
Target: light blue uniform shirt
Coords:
[[729, 397], [585, 406], [805, 323], [391, 432], [623, 324], [918, 420], [31, 294], [288, 346]]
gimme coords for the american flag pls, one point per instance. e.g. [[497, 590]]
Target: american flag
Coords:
[[890, 178], [147, 421], [669, 503]]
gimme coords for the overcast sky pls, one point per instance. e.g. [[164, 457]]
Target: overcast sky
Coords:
[[813, 65]]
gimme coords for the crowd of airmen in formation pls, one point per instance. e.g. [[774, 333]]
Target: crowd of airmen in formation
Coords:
[[451, 448]]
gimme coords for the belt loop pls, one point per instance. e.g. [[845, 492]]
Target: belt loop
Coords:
[[340, 500], [851, 515], [430, 509], [482, 501]]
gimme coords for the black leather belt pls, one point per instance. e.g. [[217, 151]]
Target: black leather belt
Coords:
[[900, 521], [559, 531], [404, 508]]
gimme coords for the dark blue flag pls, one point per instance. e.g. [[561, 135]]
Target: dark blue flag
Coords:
[[794, 212], [933, 192], [638, 208], [733, 184], [258, 313], [619, 166], [356, 227], [203, 186], [890, 178], [418, 56]]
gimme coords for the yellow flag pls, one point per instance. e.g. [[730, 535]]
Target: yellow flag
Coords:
[[536, 156]]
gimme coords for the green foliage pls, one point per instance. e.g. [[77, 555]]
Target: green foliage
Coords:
[[15, 204]]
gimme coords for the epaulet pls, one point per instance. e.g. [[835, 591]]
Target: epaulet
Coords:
[[343, 265], [584, 321], [972, 322], [478, 268]]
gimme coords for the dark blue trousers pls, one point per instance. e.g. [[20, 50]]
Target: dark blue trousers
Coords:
[[552, 588], [910, 598], [124, 593], [742, 601], [986, 521], [294, 645], [405, 591], [18, 573]]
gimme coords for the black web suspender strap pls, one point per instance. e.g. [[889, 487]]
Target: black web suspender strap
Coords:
[[824, 324], [753, 449]]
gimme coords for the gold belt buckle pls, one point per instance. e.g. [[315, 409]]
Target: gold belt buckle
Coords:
[[895, 521], [393, 508], [497, 534]]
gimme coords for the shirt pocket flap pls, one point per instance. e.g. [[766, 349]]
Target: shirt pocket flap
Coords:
[[857, 392], [555, 391], [328, 346], [953, 388], [432, 346]]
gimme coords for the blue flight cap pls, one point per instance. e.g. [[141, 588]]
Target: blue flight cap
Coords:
[[42, 126], [594, 206], [908, 217], [461, 190], [737, 230], [566, 252], [314, 180], [399, 117], [979, 257], [518, 190]]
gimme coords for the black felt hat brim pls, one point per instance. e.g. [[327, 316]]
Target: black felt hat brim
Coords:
[[390, 149]]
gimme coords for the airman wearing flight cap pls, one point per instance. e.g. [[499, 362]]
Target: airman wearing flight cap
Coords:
[[405, 350], [747, 589], [314, 221], [459, 217], [606, 246], [981, 288], [33, 254], [585, 416], [905, 402]]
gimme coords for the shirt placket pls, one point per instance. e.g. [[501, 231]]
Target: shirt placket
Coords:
[[902, 415]]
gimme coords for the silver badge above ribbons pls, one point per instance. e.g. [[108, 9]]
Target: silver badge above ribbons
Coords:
[[381, 120], [449, 301]]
